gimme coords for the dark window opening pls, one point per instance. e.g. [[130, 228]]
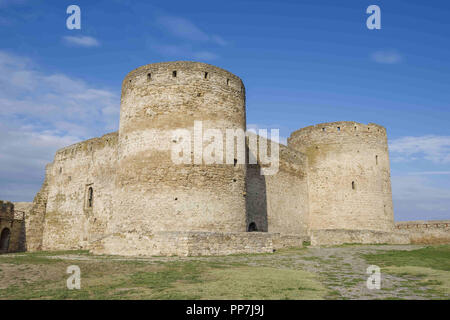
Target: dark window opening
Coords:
[[90, 197], [206, 75], [174, 74], [339, 128], [353, 185], [376, 159], [4, 240], [176, 199], [235, 162], [149, 76], [252, 227], [228, 82]]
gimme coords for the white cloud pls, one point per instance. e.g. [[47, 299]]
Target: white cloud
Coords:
[[386, 57], [429, 173], [430, 147], [41, 113], [420, 198], [181, 51], [185, 29], [182, 28], [6, 3], [81, 41]]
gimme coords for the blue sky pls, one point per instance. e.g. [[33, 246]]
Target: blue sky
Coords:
[[303, 62]]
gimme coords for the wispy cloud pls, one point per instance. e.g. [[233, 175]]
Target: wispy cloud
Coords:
[[81, 41], [430, 147], [429, 173], [419, 197], [40, 113], [6, 3], [185, 29], [180, 51], [386, 57]]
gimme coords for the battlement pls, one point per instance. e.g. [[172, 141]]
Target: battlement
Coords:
[[339, 132], [87, 146], [182, 73]]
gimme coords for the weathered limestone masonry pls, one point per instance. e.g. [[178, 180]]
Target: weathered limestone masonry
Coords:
[[349, 181], [123, 194], [433, 231], [11, 228], [279, 203], [349, 176], [152, 193], [71, 219]]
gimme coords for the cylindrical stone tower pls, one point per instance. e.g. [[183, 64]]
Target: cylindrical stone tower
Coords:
[[152, 192], [349, 175]]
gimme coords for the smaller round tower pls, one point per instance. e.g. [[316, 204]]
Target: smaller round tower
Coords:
[[349, 175]]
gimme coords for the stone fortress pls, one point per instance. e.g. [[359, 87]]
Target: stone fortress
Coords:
[[122, 193]]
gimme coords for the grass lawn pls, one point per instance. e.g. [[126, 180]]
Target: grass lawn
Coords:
[[316, 273], [423, 268]]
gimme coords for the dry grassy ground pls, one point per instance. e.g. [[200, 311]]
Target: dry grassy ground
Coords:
[[408, 272]]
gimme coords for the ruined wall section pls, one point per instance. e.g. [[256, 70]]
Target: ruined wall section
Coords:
[[11, 228], [70, 222], [155, 194], [348, 176], [426, 232], [34, 219], [23, 208], [279, 203]]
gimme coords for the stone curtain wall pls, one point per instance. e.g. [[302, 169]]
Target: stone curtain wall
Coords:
[[189, 243], [426, 232], [69, 222], [279, 203], [348, 176], [330, 237]]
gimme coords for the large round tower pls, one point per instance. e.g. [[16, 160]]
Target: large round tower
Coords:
[[154, 193], [349, 175]]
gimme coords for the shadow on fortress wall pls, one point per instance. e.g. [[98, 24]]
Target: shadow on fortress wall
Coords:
[[256, 199]]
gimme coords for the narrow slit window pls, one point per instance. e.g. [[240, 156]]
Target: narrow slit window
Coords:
[[90, 197], [353, 185], [174, 73], [206, 75], [376, 159], [228, 82]]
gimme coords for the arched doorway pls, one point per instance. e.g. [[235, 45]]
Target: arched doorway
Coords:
[[252, 227], [4, 240]]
